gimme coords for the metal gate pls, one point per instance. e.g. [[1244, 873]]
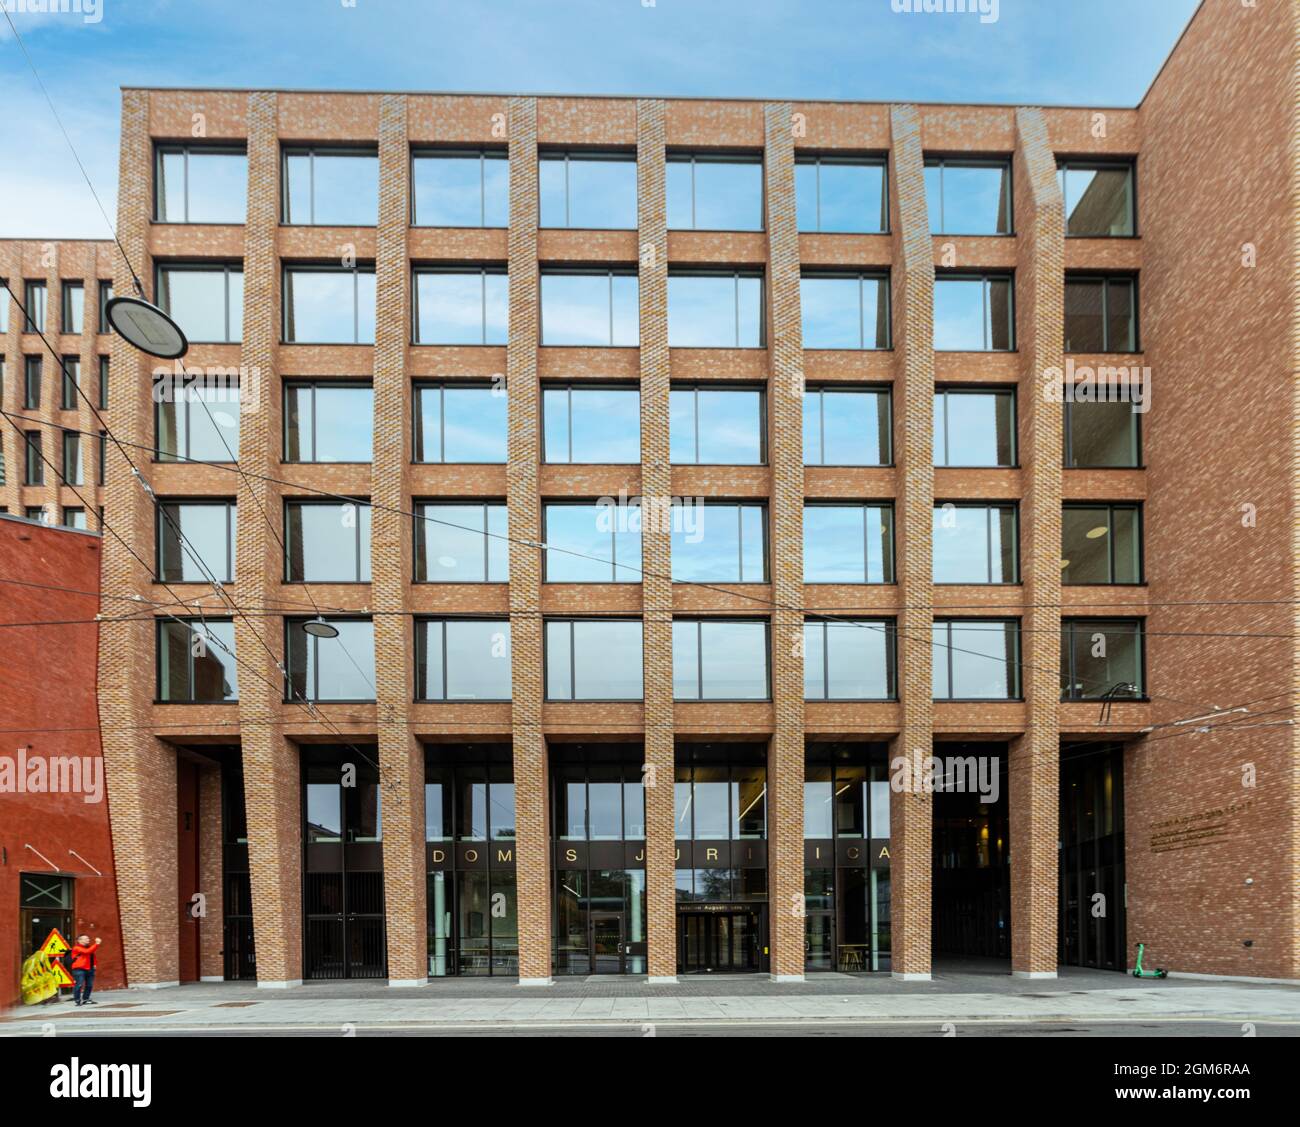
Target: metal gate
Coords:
[[345, 925]]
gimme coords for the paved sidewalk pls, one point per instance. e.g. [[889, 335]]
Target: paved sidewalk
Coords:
[[468, 1004]]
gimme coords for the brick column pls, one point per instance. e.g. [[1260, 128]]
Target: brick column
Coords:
[[911, 811], [401, 755], [140, 769], [270, 761], [532, 870], [11, 399], [785, 773], [656, 545], [212, 925], [89, 357], [49, 494], [1034, 769]]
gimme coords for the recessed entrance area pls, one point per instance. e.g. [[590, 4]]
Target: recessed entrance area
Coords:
[[720, 938]]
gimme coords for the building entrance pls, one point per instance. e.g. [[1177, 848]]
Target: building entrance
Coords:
[[720, 938], [608, 945]]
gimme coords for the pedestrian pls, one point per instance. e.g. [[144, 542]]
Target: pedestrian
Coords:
[[83, 969]]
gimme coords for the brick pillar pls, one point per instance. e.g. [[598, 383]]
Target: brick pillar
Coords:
[[89, 357], [532, 870], [212, 924], [1034, 769], [785, 776], [139, 768], [401, 755], [911, 811], [49, 495], [11, 399], [270, 760], [656, 545]]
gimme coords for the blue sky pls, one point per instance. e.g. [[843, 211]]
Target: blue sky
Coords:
[[1074, 52]]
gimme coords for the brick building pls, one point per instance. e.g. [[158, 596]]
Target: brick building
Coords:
[[827, 346], [56, 850]]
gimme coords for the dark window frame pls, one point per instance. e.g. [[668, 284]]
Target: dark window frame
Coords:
[[720, 156], [33, 458], [569, 153], [883, 392], [1070, 627], [988, 507], [161, 522], [312, 151], [885, 279], [696, 386], [747, 272], [314, 385], [1008, 391], [986, 277], [1110, 507], [765, 532], [33, 378], [1017, 661], [66, 288], [1088, 164], [1068, 440], [421, 640], [178, 458], [291, 268], [484, 153], [864, 160], [942, 161], [292, 621], [611, 273], [614, 565], [227, 268], [162, 148], [1106, 280], [482, 270], [891, 572], [699, 621], [570, 620], [459, 503], [361, 551], [161, 623], [569, 387], [890, 627], [32, 287], [421, 386]]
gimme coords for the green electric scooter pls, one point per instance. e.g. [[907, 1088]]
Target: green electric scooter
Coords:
[[1138, 972]]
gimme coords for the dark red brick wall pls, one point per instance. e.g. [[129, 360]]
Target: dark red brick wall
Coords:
[[47, 704]]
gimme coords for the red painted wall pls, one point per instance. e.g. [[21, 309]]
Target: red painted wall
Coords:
[[48, 705]]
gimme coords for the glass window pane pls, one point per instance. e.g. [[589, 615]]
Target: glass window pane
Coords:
[[1125, 528], [347, 663], [959, 315], [686, 661], [856, 428], [1085, 544], [196, 300], [852, 197], [170, 189], [606, 425], [343, 423], [814, 660], [708, 548], [322, 306], [453, 544], [818, 801], [728, 195], [605, 797], [730, 427], [850, 800], [576, 309], [734, 660], [207, 548], [451, 308], [496, 190], [975, 200], [321, 542], [607, 660], [978, 429], [1121, 318], [703, 312], [1084, 328], [711, 793], [580, 544], [218, 187], [474, 425], [1101, 434], [1098, 201], [982, 661], [346, 189], [555, 425], [832, 312], [805, 195], [478, 659], [559, 660], [856, 661], [602, 194], [834, 544], [679, 183]]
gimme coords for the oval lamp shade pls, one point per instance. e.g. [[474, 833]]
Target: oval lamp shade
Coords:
[[319, 628], [147, 327]]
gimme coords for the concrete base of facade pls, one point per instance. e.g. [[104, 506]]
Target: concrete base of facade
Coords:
[[909, 976], [1033, 974], [662, 980], [211, 978], [537, 982], [787, 978], [1230, 978], [278, 984], [406, 983], [153, 985]]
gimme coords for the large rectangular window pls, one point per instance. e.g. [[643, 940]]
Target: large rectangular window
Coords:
[[1102, 436], [196, 541], [973, 313], [461, 306], [591, 424], [1101, 544], [206, 301], [328, 421], [716, 542], [590, 307], [846, 426], [968, 197], [714, 192], [976, 659], [325, 187], [593, 659], [720, 794], [72, 471], [708, 309], [848, 543], [32, 373], [587, 190], [462, 543], [841, 194], [70, 371], [337, 668], [974, 427], [720, 659], [597, 792], [1098, 198], [460, 422], [200, 184], [74, 307], [462, 659], [848, 659], [196, 661], [460, 188], [1102, 658], [1100, 314], [196, 420], [716, 426], [326, 542], [974, 543], [34, 461], [35, 306], [598, 543], [329, 305], [844, 310]]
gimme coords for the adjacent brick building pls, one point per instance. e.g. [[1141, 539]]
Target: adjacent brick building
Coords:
[[672, 826]]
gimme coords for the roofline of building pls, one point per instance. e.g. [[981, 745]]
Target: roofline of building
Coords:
[[51, 527]]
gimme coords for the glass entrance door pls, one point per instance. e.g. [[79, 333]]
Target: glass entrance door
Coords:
[[819, 941], [607, 946], [718, 941]]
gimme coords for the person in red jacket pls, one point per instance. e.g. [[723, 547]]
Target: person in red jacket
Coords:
[[83, 969]]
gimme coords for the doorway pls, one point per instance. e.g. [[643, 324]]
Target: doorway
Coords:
[[1092, 923], [725, 941], [608, 945]]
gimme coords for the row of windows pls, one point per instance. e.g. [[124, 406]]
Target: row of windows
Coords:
[[597, 190], [69, 383], [466, 423], [600, 308], [72, 315], [712, 542], [590, 659]]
